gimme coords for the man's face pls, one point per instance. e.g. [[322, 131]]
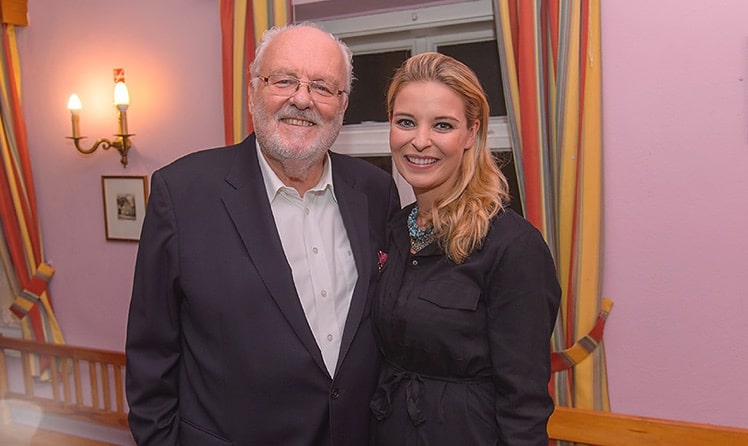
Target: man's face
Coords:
[[301, 126]]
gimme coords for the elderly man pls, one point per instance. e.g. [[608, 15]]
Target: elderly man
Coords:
[[249, 321]]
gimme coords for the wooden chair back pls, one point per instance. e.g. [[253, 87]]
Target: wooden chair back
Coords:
[[84, 383]]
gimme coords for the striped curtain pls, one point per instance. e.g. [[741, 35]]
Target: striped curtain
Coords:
[[550, 62], [21, 243], [242, 25]]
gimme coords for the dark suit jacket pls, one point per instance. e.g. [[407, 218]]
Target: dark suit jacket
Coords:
[[219, 351]]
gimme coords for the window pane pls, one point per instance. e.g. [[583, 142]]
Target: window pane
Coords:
[[383, 162], [372, 75], [483, 58], [505, 161]]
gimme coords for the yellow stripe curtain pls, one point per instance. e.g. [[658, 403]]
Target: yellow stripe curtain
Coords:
[[242, 25], [21, 243], [550, 60]]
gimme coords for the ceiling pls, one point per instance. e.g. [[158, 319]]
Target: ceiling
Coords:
[[315, 10]]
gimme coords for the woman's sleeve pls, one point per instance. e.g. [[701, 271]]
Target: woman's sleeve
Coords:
[[523, 299]]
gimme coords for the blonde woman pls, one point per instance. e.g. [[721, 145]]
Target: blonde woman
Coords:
[[468, 294]]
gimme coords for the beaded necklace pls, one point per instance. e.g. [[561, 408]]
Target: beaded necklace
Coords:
[[419, 237]]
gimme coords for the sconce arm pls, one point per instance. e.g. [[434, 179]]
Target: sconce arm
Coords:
[[121, 143]]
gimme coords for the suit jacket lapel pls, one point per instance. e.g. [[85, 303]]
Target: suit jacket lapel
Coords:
[[247, 204], [354, 209]]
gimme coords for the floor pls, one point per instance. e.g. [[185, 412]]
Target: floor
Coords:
[[20, 435]]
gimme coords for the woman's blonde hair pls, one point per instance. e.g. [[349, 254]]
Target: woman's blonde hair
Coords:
[[461, 218]]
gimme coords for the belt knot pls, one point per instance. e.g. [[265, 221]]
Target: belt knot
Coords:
[[381, 403]]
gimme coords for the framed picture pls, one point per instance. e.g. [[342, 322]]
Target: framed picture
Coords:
[[125, 198]]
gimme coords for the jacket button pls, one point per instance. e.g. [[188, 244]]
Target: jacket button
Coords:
[[335, 394]]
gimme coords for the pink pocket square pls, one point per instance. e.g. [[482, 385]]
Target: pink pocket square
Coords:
[[382, 257]]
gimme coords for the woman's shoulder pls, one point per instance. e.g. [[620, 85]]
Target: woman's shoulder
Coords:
[[508, 217], [508, 226]]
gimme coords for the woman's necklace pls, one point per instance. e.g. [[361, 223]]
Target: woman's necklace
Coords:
[[419, 237]]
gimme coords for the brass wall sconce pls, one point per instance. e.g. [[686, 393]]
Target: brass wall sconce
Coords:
[[122, 141]]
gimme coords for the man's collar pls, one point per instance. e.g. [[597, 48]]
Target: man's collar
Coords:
[[273, 183]]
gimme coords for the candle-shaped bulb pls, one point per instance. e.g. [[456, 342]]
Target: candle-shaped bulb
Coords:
[[74, 104], [121, 96]]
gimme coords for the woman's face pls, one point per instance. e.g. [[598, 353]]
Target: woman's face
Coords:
[[429, 133]]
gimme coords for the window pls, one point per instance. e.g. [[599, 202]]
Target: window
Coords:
[[474, 55], [9, 324], [372, 71]]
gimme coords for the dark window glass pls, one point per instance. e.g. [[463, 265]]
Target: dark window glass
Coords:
[[483, 58], [505, 161], [383, 162], [372, 76]]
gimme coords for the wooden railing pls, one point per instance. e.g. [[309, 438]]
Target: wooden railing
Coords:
[[88, 384], [84, 383], [611, 429]]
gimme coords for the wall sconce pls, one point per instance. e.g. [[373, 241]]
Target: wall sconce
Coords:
[[121, 101]]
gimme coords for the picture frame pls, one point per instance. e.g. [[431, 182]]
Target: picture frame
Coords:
[[125, 199]]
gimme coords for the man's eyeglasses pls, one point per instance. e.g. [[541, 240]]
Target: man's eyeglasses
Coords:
[[285, 85]]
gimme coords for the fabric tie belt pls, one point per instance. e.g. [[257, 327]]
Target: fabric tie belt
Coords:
[[381, 402]]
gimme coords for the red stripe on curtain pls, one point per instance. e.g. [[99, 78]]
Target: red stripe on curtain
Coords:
[[249, 45], [514, 30], [553, 25], [528, 94], [227, 61]]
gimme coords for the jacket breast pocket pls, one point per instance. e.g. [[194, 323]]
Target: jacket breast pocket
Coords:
[[452, 294]]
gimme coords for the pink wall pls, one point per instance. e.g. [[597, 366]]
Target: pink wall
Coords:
[[172, 63], [675, 128], [676, 144]]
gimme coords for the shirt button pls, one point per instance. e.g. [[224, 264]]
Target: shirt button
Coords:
[[329, 337], [414, 262], [306, 211], [335, 394], [315, 250], [323, 293]]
